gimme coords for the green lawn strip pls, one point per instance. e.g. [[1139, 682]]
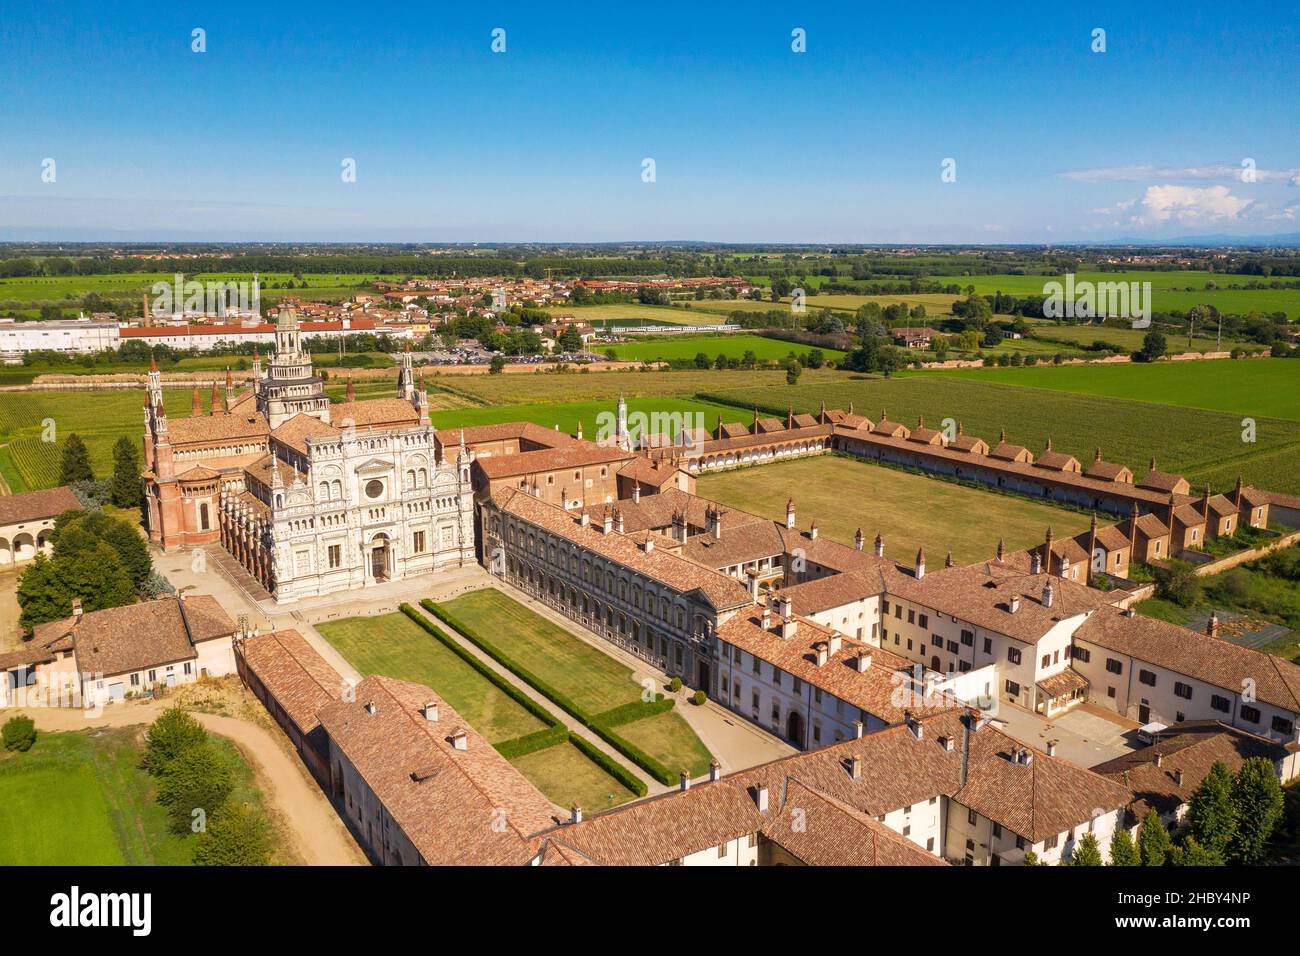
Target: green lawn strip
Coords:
[[647, 762], [575, 772], [398, 645], [669, 735]]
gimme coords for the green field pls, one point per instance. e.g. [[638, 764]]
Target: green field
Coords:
[[1168, 289], [81, 799], [567, 416], [633, 314], [1262, 388], [28, 461], [1128, 339], [395, 646], [127, 288], [593, 680], [909, 511], [732, 345], [567, 777], [1200, 444]]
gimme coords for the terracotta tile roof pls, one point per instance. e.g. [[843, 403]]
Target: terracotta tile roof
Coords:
[[300, 680], [647, 472], [374, 412], [457, 807], [1192, 747], [981, 594], [748, 542], [1058, 461], [678, 573], [1009, 452], [1163, 481], [1109, 471], [551, 459], [1063, 682], [298, 429], [1109, 536], [893, 429], [831, 833], [874, 691], [732, 430], [833, 590], [139, 636], [210, 428], [1188, 652], [36, 505]]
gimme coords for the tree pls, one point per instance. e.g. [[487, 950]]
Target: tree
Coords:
[[497, 364], [702, 360], [1257, 797], [75, 465], [236, 835], [1153, 840], [816, 358], [1122, 851], [792, 372], [75, 532], [19, 733], [1212, 815], [126, 492], [1178, 582], [1086, 851], [174, 731], [1154, 346], [1031, 859], [197, 778], [1191, 853], [571, 340]]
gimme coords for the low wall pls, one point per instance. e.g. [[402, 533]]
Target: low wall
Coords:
[[1220, 565]]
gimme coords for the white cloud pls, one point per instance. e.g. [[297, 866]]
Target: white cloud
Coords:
[[1189, 205], [1203, 173]]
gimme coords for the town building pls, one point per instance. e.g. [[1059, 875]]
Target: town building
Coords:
[[27, 521]]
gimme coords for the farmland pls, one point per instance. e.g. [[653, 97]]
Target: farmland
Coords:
[[1263, 387], [1204, 445], [567, 416], [733, 346], [635, 314], [909, 511], [1168, 289], [1128, 339]]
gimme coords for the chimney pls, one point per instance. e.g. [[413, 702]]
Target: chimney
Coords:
[[857, 730], [584, 520], [788, 628], [753, 587], [880, 546], [648, 545], [636, 493], [913, 725], [460, 740], [855, 767], [1212, 625], [1036, 563], [618, 520], [717, 525], [760, 798], [1178, 778], [1130, 612], [431, 710], [858, 540], [684, 780], [812, 531], [947, 743], [920, 563], [1160, 758], [767, 618], [833, 645], [1047, 551], [1026, 756], [1205, 504], [607, 521], [76, 608], [370, 707], [715, 771], [1049, 593], [948, 561], [1014, 603], [575, 814], [789, 513], [1001, 550], [822, 655], [1051, 748], [864, 662]]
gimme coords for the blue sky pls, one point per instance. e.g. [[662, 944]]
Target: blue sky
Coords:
[[751, 141]]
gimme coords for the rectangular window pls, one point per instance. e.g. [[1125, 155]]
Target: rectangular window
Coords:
[[911, 617], [1182, 690], [417, 542], [1047, 660], [988, 645], [1283, 726], [1082, 655], [1147, 677], [1051, 842], [968, 637], [1113, 666], [1013, 655], [1013, 689], [335, 553], [1250, 714], [1220, 703], [924, 620]]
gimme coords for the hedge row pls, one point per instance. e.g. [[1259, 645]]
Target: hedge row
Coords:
[[612, 767], [531, 743], [636, 710], [509, 689], [597, 724]]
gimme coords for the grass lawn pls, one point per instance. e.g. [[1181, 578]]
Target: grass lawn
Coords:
[[735, 345], [909, 511], [636, 314], [566, 776], [1203, 445], [1256, 387], [81, 799], [395, 646], [671, 739], [593, 680]]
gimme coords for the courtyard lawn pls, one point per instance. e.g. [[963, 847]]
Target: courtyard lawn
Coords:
[[1257, 387], [80, 799], [565, 775], [909, 511], [394, 646], [670, 739], [592, 680], [1203, 445]]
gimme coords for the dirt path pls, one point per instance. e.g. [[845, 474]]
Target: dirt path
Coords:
[[319, 837]]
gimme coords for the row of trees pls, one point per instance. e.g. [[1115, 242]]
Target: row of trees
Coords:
[[1231, 818], [194, 783]]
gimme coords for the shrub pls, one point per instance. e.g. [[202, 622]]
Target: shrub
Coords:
[[636, 710], [531, 743], [675, 684], [197, 778], [699, 698], [236, 835], [19, 734], [175, 730], [1178, 583], [612, 767]]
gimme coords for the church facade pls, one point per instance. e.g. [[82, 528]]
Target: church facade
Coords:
[[309, 497]]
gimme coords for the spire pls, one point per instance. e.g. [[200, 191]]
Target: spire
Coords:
[[1049, 442], [948, 562], [351, 394], [196, 407], [1002, 548], [1097, 456], [1002, 437], [153, 362], [215, 405]]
